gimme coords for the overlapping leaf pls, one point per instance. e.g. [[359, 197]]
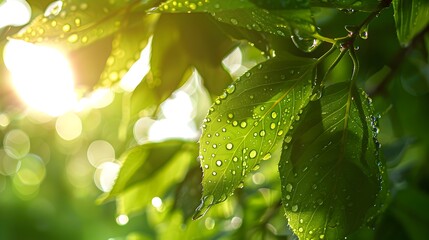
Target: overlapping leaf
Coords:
[[333, 180], [248, 121], [72, 24], [411, 17], [249, 14], [141, 163], [156, 174], [180, 42]]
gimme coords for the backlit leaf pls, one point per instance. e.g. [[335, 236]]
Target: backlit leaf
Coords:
[[127, 45], [72, 24], [181, 42], [141, 163], [248, 14], [333, 180], [248, 121], [160, 183], [411, 17]]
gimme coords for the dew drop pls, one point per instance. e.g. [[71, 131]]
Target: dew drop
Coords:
[[66, 27], [363, 32], [267, 156], [206, 203], [230, 115], [234, 21], [288, 139], [300, 229], [230, 89], [192, 6], [214, 173], [253, 154], [306, 44], [289, 187], [262, 133], [206, 166], [229, 146], [316, 95], [322, 236], [218, 163], [235, 159], [294, 208], [279, 133], [273, 126], [73, 38], [274, 115], [243, 124], [214, 146]]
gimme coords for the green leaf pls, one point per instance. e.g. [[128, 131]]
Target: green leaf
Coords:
[[411, 17], [248, 121], [159, 183], [127, 45], [333, 180], [143, 162], [361, 5], [249, 15], [181, 42], [74, 24]]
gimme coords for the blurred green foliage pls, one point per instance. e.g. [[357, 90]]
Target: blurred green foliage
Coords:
[[50, 185]]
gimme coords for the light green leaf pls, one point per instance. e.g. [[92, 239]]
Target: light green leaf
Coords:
[[411, 17], [333, 180], [127, 45], [248, 121], [159, 183], [249, 15], [141, 163], [74, 24]]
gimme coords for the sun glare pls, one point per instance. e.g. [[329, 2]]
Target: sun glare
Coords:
[[41, 76], [14, 13]]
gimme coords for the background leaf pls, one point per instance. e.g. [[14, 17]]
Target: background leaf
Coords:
[[332, 178], [411, 17], [142, 162], [248, 121], [249, 15]]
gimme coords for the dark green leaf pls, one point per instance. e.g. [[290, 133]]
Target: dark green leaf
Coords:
[[180, 42], [411, 17], [362, 5], [333, 180], [143, 162], [249, 15], [188, 193], [248, 121]]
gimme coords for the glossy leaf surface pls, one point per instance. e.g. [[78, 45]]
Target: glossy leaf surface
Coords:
[[248, 121], [333, 180], [411, 17]]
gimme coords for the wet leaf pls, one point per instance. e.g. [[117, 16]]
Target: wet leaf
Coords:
[[188, 193], [411, 17], [348, 5], [250, 15], [141, 163], [127, 45], [333, 180], [248, 121], [160, 183], [73, 24]]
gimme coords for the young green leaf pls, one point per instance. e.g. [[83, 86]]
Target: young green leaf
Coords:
[[411, 17], [248, 121], [250, 15], [142, 162], [333, 180]]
